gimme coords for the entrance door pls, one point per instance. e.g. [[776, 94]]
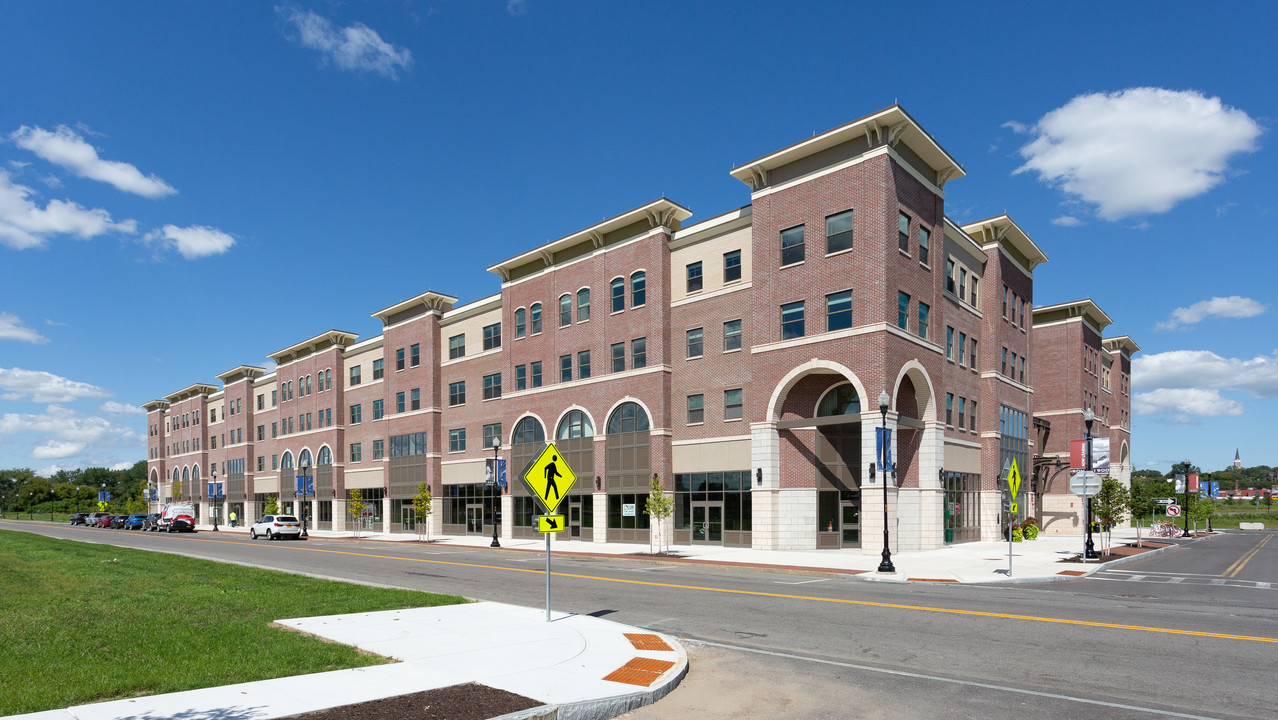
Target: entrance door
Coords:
[[408, 518], [475, 519], [574, 518], [851, 506], [707, 523]]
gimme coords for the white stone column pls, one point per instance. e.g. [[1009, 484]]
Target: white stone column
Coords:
[[766, 515], [600, 534], [872, 487], [928, 515]]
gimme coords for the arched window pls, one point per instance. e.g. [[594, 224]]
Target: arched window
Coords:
[[325, 456], [638, 289], [534, 318], [287, 461], [583, 304], [629, 417], [618, 288], [839, 400], [177, 476], [186, 474], [304, 458], [528, 430], [565, 310], [195, 474], [575, 425], [521, 322]]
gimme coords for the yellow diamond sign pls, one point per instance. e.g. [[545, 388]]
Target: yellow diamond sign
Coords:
[[1013, 480], [549, 477]]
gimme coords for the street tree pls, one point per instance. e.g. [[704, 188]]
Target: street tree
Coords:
[[355, 509], [660, 507], [1110, 506], [421, 509], [272, 505]]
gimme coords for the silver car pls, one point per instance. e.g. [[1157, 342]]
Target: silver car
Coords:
[[276, 527]]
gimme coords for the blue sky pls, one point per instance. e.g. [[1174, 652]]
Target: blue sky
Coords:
[[186, 187]]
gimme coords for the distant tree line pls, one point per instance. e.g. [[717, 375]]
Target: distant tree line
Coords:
[[67, 491]]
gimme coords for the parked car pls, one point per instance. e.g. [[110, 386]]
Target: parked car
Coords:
[[178, 517], [79, 518], [117, 521], [276, 527], [135, 521], [95, 519], [152, 522], [105, 520], [181, 524]]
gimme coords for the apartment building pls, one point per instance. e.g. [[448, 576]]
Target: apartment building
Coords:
[[739, 360]]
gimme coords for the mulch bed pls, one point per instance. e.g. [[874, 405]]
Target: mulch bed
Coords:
[[1118, 551], [458, 702]]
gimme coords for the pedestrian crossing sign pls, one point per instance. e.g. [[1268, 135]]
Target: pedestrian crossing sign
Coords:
[[549, 478], [1013, 480]]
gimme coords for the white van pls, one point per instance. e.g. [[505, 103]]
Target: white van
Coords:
[[177, 517]]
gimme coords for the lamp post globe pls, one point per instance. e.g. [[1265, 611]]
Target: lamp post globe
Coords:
[[496, 455], [885, 565]]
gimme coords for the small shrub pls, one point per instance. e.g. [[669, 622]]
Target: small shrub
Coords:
[[1017, 534], [1030, 530]]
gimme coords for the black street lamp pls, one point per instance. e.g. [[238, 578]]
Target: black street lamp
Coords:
[[886, 565], [1185, 511], [306, 481], [496, 450], [214, 496], [1089, 550]]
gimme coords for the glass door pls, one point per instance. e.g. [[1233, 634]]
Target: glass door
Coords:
[[475, 519], [408, 518], [574, 517], [707, 523], [851, 506]]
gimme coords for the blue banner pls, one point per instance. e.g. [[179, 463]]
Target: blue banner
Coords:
[[883, 449], [154, 498], [501, 472], [305, 485]]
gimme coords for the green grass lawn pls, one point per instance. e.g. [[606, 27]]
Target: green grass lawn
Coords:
[[82, 623]]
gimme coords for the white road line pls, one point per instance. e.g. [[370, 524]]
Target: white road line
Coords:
[[1217, 581], [1263, 585], [968, 683], [1173, 581], [800, 582], [1155, 572]]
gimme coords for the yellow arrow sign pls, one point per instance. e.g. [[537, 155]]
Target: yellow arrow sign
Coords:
[[1013, 479], [549, 477], [550, 523]]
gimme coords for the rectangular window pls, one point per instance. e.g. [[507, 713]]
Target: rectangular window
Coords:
[[1002, 368], [261, 432], [261, 405], [565, 310], [694, 343], [213, 440], [838, 311], [457, 393], [308, 421], [696, 409], [492, 386], [357, 452], [1013, 375], [949, 408], [583, 364], [273, 399], [1004, 302], [925, 239], [378, 409], [1022, 369], [457, 440], [639, 353], [792, 246], [974, 301], [492, 336], [949, 276], [732, 335], [838, 232], [534, 318], [415, 399], [275, 462], [638, 289], [971, 418], [1022, 311], [399, 402], [902, 310], [399, 359], [408, 445], [357, 414], [414, 355], [1013, 318], [903, 232], [618, 357], [732, 404], [492, 433], [792, 320], [924, 309], [377, 369], [962, 291], [261, 463], [949, 343], [355, 379], [565, 368], [274, 430], [962, 413], [535, 371], [457, 346], [379, 449], [962, 347], [583, 305], [521, 377], [618, 288], [972, 355], [694, 277], [732, 266]]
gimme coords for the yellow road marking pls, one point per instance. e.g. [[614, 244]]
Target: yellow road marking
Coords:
[[842, 601], [1240, 563]]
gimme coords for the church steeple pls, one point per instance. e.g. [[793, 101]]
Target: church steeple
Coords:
[[1237, 459]]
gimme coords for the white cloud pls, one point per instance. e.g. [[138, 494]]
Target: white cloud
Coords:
[[56, 450], [1233, 306], [517, 7], [354, 47], [19, 385], [65, 147], [24, 225], [193, 242], [121, 466], [1067, 221], [1203, 369], [1137, 151], [11, 328], [1183, 405], [115, 408]]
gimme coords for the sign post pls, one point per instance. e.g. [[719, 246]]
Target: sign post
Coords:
[[1013, 485], [549, 478]]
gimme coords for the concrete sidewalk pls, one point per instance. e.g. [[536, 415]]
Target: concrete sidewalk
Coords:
[[1044, 559], [579, 666]]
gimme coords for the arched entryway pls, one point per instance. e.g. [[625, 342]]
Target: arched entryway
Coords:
[[575, 438], [838, 468], [628, 466], [526, 442]]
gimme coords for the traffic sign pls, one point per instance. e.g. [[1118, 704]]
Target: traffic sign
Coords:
[[549, 478], [1085, 483], [1012, 508], [1173, 510], [1164, 501], [1013, 480], [550, 523]]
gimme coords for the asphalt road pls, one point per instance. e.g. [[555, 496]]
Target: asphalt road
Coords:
[[1188, 633]]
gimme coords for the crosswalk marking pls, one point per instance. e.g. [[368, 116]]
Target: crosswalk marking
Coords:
[[1188, 579]]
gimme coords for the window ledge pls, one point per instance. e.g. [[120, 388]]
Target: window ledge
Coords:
[[694, 424], [793, 264], [845, 251], [733, 350]]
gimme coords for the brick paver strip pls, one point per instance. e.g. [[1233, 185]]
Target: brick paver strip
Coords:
[[640, 671], [1075, 573], [948, 580], [647, 641]]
